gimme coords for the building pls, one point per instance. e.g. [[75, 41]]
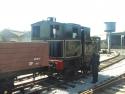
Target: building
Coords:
[[118, 40], [8, 35]]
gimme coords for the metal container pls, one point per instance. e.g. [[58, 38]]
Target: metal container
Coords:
[[22, 56], [110, 26]]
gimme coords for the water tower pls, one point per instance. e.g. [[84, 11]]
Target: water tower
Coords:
[[109, 28]]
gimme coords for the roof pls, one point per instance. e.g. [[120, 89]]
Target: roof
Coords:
[[118, 33], [17, 33]]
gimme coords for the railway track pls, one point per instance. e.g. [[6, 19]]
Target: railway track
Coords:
[[116, 86], [50, 84], [112, 86], [111, 61]]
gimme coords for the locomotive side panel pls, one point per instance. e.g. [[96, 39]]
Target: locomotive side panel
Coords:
[[88, 51], [22, 56]]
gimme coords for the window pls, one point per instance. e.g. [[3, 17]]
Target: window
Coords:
[[53, 29], [36, 31], [57, 27], [75, 32]]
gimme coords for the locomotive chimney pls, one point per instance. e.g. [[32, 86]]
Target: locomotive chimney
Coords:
[[53, 19]]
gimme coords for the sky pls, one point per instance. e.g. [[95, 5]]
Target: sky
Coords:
[[20, 14]]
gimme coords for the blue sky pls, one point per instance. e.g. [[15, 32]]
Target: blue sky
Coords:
[[20, 14]]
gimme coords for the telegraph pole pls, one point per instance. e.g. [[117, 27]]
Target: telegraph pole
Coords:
[[109, 41]]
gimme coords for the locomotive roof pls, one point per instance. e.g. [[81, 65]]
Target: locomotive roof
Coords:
[[53, 22]]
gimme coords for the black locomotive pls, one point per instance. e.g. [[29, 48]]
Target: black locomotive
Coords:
[[70, 46]]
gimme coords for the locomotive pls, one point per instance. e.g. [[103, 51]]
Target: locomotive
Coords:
[[70, 46]]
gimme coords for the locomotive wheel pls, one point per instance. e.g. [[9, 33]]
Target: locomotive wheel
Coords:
[[68, 75]]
